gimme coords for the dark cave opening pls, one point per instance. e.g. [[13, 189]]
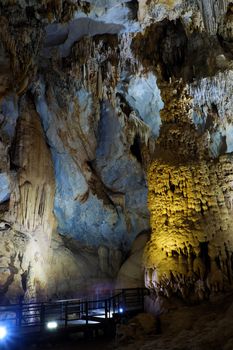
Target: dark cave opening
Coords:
[[217, 260], [133, 6], [135, 149], [24, 280], [125, 107], [163, 43], [204, 255], [172, 187], [4, 206]]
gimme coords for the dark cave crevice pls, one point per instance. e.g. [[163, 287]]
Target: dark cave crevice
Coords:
[[205, 256], [135, 149], [177, 54]]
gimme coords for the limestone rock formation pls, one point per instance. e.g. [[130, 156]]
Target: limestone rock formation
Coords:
[[190, 203], [131, 273], [29, 220], [99, 98]]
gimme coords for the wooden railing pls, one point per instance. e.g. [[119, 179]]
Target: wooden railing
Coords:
[[71, 313]]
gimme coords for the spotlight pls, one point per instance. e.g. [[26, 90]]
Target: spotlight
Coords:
[[52, 325], [3, 332], [121, 310]]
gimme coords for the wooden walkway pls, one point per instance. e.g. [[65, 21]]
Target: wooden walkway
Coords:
[[34, 319]]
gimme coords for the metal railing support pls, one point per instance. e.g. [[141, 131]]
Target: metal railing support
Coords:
[[36, 314], [106, 308], [42, 317], [86, 311], [66, 314]]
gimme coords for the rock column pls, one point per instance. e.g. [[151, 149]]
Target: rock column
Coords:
[[190, 201]]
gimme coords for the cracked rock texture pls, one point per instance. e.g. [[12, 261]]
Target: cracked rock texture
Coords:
[[101, 100]]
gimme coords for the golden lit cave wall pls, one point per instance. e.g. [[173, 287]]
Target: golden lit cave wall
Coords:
[[190, 200], [190, 250]]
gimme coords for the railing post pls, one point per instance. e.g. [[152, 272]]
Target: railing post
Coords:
[[109, 307], [138, 301], [106, 308], [123, 299], [86, 311], [82, 309], [143, 296], [20, 315], [42, 317], [66, 314], [79, 309], [141, 300], [114, 304]]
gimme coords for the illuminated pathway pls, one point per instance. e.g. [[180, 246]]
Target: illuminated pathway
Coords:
[[65, 316]]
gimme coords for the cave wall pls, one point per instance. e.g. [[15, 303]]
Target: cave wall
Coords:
[[73, 180], [99, 98]]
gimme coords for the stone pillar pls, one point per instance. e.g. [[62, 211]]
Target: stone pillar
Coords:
[[31, 203], [190, 250]]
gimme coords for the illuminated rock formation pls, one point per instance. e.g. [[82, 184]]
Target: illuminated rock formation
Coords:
[[190, 201], [32, 204], [30, 218], [131, 273]]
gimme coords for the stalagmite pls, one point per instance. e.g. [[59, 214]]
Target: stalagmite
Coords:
[[31, 204], [189, 203]]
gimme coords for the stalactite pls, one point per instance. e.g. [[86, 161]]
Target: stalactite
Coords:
[[137, 126]]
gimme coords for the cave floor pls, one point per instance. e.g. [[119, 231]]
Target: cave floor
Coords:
[[207, 326], [72, 344]]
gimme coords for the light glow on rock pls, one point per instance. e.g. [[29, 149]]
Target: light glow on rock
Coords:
[[3, 332]]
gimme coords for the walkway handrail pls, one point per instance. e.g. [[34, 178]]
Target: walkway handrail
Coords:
[[66, 312]]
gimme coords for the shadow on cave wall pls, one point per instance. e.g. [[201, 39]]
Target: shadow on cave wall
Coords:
[[168, 49]]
